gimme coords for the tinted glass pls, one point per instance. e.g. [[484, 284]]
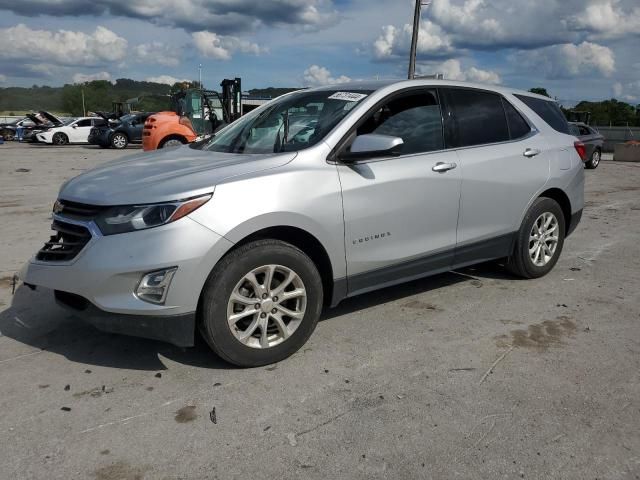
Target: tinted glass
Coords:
[[518, 126], [478, 116], [574, 130], [414, 118], [584, 130], [84, 123], [549, 111]]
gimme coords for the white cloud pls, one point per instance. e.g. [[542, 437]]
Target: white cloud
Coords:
[[3, 78], [89, 77], [629, 92], [221, 47], [166, 79], [158, 53], [62, 47], [396, 41], [607, 19], [453, 70], [569, 60], [316, 76]]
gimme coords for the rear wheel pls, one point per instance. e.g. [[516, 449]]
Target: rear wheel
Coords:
[[261, 303], [60, 139], [594, 161], [7, 135], [119, 140], [539, 241], [172, 142]]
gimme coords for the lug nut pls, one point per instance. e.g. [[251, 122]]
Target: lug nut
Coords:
[[275, 299], [257, 305], [264, 295], [262, 315], [274, 310]]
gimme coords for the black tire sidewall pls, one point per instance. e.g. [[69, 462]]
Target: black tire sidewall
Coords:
[[591, 164], [61, 136], [223, 280], [540, 206]]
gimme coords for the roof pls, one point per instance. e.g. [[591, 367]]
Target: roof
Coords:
[[374, 85]]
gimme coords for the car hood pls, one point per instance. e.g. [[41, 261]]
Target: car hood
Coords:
[[52, 118], [164, 175]]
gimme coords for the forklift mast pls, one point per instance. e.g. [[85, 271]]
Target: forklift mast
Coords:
[[231, 99]]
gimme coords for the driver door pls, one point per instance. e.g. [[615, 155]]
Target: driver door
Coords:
[[79, 131], [400, 215]]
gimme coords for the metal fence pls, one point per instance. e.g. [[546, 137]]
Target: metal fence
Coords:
[[613, 135]]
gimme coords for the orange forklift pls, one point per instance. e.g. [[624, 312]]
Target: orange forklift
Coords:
[[195, 114]]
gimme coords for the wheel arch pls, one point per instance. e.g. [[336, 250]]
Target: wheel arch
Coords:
[[306, 242], [563, 200], [172, 136]]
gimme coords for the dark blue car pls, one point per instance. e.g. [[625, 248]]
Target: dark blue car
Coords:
[[120, 132]]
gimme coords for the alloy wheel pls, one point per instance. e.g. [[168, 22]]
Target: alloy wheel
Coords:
[[266, 306], [595, 159], [119, 141], [172, 143], [543, 239]]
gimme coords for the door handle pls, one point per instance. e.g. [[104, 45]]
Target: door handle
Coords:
[[442, 167], [531, 152]]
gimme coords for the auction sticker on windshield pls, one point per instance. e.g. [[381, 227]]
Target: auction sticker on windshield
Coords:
[[347, 96]]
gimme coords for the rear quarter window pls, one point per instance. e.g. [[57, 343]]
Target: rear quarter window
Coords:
[[548, 110]]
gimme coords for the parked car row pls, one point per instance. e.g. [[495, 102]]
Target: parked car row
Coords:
[[101, 130]]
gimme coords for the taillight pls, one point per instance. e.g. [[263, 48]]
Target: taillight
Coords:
[[581, 149]]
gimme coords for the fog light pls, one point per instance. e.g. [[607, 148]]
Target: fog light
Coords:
[[154, 286]]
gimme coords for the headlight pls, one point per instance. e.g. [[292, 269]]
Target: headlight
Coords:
[[139, 217]]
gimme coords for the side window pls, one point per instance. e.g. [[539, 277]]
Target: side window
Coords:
[[548, 110], [99, 122], [574, 130], [584, 130], [83, 123], [478, 117], [518, 126], [416, 118]]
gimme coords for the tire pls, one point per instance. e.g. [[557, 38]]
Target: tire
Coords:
[[594, 161], [7, 135], [530, 264], [230, 277], [119, 141], [59, 139], [172, 142]]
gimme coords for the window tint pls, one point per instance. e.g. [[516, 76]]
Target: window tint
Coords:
[[548, 110], [518, 126], [478, 116], [415, 118], [83, 123], [99, 122], [574, 130], [584, 130]]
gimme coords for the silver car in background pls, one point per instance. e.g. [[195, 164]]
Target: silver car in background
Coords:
[[316, 196], [593, 142]]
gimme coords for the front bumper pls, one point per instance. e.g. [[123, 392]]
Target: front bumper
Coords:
[[103, 278]]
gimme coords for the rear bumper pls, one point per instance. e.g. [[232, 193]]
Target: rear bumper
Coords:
[[178, 330]]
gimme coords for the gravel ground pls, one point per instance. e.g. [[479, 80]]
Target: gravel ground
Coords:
[[471, 374]]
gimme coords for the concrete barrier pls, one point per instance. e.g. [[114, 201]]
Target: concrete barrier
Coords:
[[615, 135], [627, 152]]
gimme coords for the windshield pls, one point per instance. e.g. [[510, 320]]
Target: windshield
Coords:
[[288, 124]]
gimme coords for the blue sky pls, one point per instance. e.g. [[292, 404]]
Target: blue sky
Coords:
[[577, 49]]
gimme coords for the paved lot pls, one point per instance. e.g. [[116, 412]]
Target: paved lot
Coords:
[[393, 384]]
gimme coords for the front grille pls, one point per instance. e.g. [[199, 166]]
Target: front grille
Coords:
[[65, 244], [78, 210]]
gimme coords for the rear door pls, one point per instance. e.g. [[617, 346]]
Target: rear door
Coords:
[[135, 130], [504, 163], [400, 215]]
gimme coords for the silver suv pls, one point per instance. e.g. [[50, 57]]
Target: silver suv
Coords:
[[316, 196]]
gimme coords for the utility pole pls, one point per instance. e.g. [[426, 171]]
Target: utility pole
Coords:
[[414, 38], [200, 75], [84, 110]]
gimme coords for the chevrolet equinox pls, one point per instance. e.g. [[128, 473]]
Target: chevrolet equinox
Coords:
[[318, 195]]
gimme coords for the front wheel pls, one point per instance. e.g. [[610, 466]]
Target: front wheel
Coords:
[[60, 139], [172, 142], [119, 141], [594, 161], [261, 303], [539, 240]]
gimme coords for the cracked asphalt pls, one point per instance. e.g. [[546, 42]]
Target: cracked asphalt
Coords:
[[470, 374]]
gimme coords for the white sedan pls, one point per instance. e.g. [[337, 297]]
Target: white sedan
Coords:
[[74, 131]]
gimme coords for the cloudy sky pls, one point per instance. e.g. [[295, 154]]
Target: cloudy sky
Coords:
[[577, 49]]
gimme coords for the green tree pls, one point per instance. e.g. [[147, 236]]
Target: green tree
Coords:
[[540, 91]]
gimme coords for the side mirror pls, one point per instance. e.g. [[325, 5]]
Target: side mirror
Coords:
[[74, 126], [372, 145]]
